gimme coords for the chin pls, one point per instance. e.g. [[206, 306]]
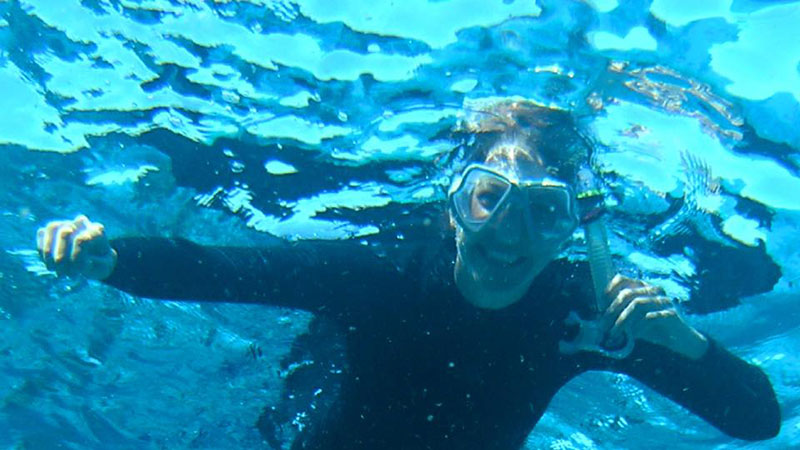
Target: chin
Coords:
[[491, 300], [487, 284]]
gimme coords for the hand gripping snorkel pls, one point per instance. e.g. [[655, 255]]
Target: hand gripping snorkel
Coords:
[[592, 333]]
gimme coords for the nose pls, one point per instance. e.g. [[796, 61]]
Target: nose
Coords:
[[510, 227]]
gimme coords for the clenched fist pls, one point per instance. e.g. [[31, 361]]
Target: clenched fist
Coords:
[[76, 247]]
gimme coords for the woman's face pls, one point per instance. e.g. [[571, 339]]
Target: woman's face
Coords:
[[496, 265]]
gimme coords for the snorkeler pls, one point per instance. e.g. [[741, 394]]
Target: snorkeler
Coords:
[[452, 348]]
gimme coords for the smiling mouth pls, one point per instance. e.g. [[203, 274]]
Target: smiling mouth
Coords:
[[505, 258]]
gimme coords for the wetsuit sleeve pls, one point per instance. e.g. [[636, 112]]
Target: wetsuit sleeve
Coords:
[[310, 275], [734, 396]]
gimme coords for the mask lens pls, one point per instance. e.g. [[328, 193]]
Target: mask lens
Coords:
[[480, 195], [551, 211]]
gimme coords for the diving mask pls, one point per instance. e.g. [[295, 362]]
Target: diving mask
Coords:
[[481, 194]]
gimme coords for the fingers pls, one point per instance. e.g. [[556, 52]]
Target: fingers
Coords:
[[46, 236], [81, 222], [620, 282], [634, 304], [89, 234], [62, 242], [638, 312], [78, 244], [626, 295]]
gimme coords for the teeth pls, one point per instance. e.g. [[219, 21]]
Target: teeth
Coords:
[[501, 256]]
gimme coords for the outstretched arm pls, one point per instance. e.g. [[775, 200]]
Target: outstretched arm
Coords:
[[734, 396], [308, 275]]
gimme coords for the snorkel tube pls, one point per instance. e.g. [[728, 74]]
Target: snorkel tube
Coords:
[[590, 201], [592, 335]]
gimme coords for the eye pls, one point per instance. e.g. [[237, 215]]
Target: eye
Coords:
[[488, 194], [488, 199]]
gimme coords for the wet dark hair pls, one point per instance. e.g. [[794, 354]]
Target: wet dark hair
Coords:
[[549, 134]]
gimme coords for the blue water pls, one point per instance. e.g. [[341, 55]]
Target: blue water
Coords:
[[243, 122]]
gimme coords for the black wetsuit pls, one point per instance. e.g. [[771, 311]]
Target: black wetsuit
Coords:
[[426, 369]]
